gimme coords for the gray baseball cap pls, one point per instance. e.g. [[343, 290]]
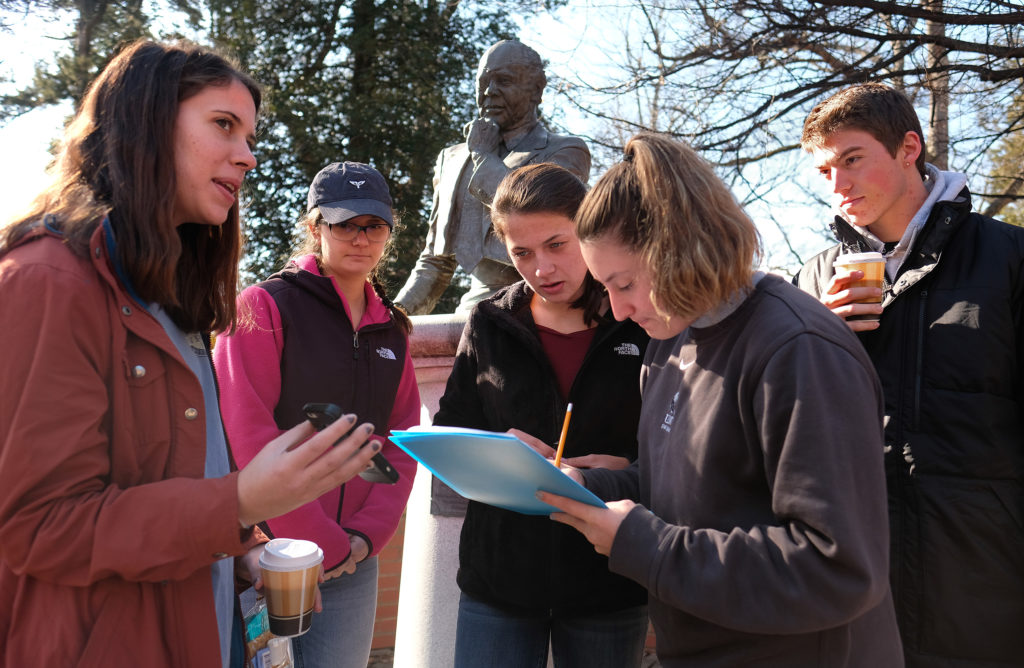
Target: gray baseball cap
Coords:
[[344, 190]]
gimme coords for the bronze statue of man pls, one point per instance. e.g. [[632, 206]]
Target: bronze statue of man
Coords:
[[507, 134]]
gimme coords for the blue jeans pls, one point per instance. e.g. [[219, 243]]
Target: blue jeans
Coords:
[[341, 635], [496, 638]]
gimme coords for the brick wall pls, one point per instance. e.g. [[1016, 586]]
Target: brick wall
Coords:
[[390, 567]]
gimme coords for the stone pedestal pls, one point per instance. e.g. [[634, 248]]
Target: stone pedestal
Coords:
[[428, 597]]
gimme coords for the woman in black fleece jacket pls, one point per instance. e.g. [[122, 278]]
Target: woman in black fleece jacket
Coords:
[[524, 354]]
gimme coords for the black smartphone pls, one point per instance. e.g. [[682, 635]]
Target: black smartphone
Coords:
[[323, 414]]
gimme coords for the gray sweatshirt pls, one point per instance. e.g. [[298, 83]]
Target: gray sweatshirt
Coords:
[[762, 539]]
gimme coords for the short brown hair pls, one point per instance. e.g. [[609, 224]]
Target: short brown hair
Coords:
[[882, 111], [666, 204], [546, 188]]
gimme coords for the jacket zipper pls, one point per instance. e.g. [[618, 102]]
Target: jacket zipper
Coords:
[[355, 344], [919, 358]]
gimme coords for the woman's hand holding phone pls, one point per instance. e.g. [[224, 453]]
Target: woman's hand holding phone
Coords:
[[300, 465], [379, 470]]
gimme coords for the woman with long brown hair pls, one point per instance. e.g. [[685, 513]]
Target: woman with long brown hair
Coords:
[[119, 508]]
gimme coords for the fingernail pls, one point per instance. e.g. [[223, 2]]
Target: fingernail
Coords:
[[375, 445], [368, 428], [351, 417]]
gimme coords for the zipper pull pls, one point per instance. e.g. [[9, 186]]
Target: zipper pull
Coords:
[[355, 345]]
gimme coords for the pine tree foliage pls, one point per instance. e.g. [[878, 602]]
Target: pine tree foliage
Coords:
[[387, 83], [95, 29]]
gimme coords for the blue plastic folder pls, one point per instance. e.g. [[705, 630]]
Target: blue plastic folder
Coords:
[[490, 467]]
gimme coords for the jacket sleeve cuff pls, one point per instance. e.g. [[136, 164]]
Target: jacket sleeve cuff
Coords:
[[635, 545], [369, 543]]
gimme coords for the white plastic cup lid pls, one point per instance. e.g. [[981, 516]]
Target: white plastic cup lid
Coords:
[[290, 554], [854, 258]]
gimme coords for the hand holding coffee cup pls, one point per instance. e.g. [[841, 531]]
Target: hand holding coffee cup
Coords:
[[291, 571], [855, 293]]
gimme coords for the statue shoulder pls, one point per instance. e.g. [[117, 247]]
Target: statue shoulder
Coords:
[[566, 141], [569, 151], [563, 139], [570, 140]]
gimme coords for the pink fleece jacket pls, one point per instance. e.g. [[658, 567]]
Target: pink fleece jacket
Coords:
[[247, 363]]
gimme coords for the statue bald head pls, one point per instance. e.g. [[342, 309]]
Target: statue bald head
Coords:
[[509, 84]]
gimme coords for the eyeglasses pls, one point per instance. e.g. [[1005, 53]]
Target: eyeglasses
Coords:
[[375, 232]]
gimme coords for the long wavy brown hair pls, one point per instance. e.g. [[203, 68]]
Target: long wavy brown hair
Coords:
[[117, 162]]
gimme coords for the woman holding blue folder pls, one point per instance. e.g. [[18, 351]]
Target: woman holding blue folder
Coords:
[[762, 535], [524, 354]]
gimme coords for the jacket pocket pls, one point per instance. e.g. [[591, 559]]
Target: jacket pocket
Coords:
[[141, 403]]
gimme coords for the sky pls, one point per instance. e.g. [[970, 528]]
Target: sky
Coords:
[[25, 140], [577, 41]]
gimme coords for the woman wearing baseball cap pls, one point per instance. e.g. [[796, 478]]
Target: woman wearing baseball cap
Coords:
[[323, 330]]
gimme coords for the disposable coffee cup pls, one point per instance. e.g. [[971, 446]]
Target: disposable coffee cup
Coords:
[[873, 266], [291, 568]]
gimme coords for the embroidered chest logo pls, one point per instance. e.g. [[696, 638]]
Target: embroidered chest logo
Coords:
[[670, 416], [386, 353], [628, 349], [357, 184]]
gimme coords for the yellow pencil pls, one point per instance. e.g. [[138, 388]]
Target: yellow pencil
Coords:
[[561, 439]]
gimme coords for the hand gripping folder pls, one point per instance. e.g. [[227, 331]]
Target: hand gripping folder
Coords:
[[490, 467]]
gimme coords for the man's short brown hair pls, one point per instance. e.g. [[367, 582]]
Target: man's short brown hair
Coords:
[[880, 110]]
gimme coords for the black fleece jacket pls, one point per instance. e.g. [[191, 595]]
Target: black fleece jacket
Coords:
[[502, 379]]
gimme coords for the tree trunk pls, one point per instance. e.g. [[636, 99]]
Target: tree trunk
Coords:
[[937, 82], [1009, 196], [90, 13], [362, 45]]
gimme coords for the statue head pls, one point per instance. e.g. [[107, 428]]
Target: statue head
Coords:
[[509, 84]]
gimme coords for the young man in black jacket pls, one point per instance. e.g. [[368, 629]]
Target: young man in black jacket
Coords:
[[949, 349]]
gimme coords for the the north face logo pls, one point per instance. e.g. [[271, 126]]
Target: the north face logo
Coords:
[[628, 349], [386, 353], [358, 184]]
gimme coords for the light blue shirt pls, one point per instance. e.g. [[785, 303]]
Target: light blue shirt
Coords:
[[191, 347]]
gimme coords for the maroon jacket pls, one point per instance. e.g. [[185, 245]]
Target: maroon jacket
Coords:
[[108, 527]]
